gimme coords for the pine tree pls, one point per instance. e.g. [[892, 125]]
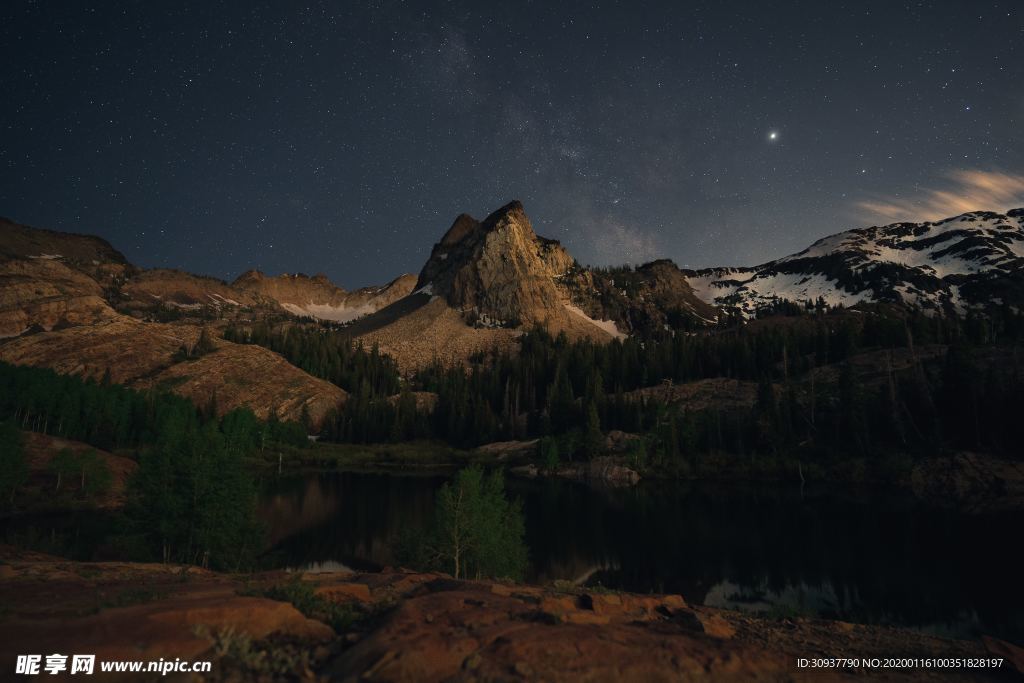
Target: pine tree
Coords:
[[593, 439]]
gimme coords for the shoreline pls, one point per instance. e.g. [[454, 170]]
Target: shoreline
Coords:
[[972, 482]]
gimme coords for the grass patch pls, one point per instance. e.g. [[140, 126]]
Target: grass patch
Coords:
[[302, 595], [238, 653], [568, 587]]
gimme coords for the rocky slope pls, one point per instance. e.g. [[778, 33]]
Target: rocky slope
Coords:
[[43, 294], [965, 262], [145, 354], [245, 375], [318, 297], [176, 290], [52, 279], [420, 329], [58, 295], [648, 299]]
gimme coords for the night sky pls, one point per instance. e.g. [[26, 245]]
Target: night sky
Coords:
[[344, 139]]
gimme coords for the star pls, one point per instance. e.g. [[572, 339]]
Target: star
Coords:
[[773, 135]]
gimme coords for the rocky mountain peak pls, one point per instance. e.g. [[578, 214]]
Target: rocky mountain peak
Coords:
[[497, 270], [251, 275], [464, 225]]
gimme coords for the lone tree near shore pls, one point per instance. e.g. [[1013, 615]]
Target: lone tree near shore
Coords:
[[478, 532]]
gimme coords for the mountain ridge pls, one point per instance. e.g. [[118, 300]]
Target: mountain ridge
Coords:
[[318, 297], [952, 265], [498, 274]]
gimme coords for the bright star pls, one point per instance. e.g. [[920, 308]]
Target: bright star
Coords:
[[773, 135]]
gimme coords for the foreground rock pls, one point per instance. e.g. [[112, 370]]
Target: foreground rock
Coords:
[[121, 611], [422, 627]]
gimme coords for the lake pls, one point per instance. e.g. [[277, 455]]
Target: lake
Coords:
[[864, 556]]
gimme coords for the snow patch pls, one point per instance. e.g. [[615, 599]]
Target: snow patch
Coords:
[[711, 285], [608, 326], [226, 300], [337, 314]]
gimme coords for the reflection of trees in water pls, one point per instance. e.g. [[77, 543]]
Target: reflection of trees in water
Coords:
[[354, 518], [883, 558], [304, 502]]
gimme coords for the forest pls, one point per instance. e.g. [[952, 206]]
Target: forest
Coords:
[[959, 387], [824, 386], [823, 383], [193, 496]]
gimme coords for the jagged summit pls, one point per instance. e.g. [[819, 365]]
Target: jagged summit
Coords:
[[498, 269], [464, 224], [484, 284]]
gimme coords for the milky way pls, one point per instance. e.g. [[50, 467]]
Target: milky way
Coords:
[[341, 139]]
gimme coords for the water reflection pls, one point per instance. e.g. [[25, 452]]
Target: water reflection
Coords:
[[866, 557]]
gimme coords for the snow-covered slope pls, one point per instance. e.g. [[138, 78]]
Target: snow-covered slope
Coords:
[[968, 261], [318, 297]]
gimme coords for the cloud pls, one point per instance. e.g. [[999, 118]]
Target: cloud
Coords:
[[960, 192]]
